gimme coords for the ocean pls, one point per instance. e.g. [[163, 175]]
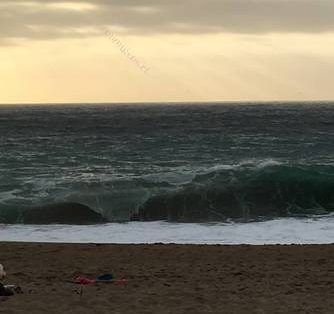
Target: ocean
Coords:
[[222, 173]]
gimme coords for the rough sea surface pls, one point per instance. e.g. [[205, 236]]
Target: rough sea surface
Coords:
[[231, 163]]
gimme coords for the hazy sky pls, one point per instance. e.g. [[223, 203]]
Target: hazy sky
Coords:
[[166, 50]]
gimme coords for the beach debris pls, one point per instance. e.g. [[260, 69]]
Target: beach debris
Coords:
[[84, 280], [18, 290], [105, 278], [79, 292], [5, 292], [14, 289], [121, 281]]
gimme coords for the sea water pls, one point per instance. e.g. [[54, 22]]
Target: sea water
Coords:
[[184, 173]]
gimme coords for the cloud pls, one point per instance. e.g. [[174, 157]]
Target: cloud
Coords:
[[50, 19]]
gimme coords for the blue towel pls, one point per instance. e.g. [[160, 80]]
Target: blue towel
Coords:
[[105, 277]]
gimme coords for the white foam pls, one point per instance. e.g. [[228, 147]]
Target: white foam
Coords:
[[280, 231]]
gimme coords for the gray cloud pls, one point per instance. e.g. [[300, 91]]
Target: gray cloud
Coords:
[[40, 19]]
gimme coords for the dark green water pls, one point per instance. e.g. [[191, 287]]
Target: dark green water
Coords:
[[179, 162]]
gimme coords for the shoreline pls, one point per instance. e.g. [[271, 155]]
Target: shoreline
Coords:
[[170, 278], [279, 231]]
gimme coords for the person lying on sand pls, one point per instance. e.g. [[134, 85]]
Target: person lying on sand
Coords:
[[3, 290]]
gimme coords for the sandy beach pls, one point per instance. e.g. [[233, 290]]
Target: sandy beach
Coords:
[[170, 278]]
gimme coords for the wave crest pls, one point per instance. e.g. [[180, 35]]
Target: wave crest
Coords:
[[247, 191]]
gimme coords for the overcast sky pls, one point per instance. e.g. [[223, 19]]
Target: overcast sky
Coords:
[[166, 50]]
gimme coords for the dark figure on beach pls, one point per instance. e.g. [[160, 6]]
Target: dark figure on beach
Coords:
[[3, 290]]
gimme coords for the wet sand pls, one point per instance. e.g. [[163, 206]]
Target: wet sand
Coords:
[[170, 278]]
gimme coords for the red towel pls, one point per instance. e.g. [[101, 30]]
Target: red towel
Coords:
[[84, 281]]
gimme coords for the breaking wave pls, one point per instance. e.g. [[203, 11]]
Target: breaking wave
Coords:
[[245, 192]]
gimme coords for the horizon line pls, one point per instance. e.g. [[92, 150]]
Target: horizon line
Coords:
[[163, 102]]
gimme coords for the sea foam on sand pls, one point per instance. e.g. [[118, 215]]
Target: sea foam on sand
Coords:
[[278, 231]]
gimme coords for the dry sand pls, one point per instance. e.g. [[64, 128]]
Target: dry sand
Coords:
[[170, 278]]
